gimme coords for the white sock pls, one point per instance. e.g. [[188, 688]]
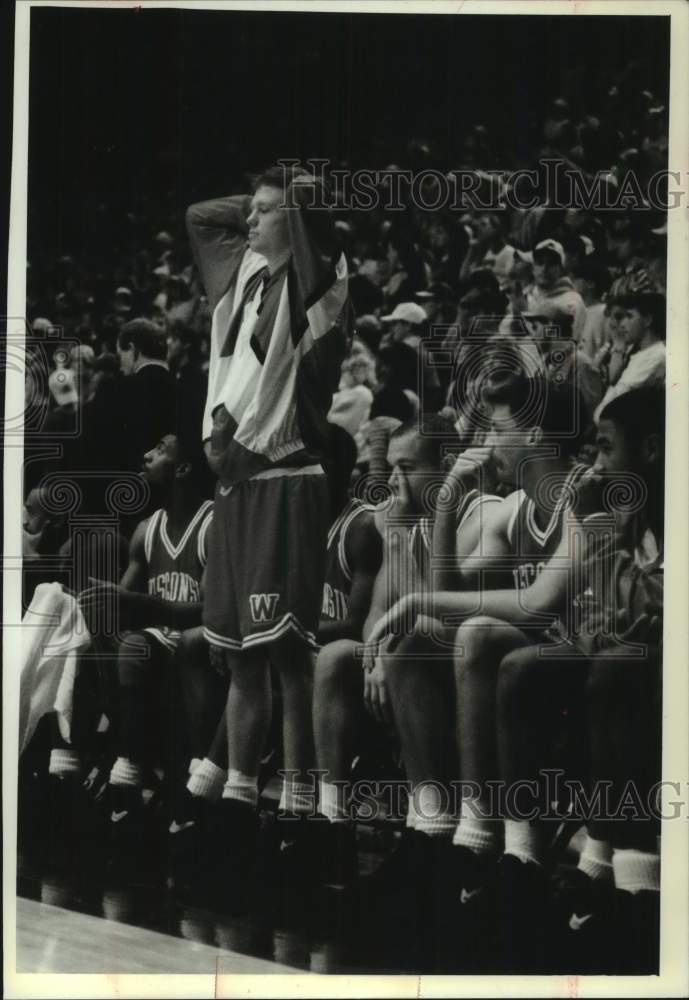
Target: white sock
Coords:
[[595, 859], [477, 833], [241, 787], [636, 870], [333, 801], [126, 774], [64, 762], [522, 840], [432, 813], [297, 797], [207, 781]]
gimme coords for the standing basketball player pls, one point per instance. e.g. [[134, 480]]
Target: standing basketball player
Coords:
[[277, 286]]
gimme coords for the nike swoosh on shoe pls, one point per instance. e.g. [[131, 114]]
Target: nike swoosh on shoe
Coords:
[[176, 827], [576, 922], [115, 817], [468, 894]]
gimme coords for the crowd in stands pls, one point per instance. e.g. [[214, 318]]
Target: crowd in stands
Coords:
[[460, 319]]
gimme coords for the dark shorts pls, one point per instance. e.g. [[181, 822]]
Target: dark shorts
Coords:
[[266, 560]]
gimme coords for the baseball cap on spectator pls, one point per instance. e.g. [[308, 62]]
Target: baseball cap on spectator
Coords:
[[41, 325], [406, 312], [164, 238], [550, 247]]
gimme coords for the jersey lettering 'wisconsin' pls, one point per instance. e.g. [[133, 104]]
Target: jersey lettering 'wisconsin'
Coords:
[[335, 606], [525, 574], [263, 607], [175, 586]]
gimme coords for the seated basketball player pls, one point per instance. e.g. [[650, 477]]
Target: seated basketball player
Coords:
[[622, 605], [159, 596], [339, 709], [524, 536]]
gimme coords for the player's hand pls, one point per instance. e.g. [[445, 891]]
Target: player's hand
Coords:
[[100, 598], [402, 503], [376, 698], [588, 495], [371, 651], [647, 628], [474, 467], [100, 592], [394, 617]]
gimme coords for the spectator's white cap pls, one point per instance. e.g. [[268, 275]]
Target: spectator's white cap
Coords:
[[553, 246], [408, 312]]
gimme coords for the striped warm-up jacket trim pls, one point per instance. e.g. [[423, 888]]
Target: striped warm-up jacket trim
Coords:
[[268, 398]]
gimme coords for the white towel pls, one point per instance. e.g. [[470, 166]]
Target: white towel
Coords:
[[53, 631]]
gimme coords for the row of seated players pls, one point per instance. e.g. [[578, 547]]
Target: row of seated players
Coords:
[[468, 630]]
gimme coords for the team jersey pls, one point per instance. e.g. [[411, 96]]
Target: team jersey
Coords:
[[420, 545], [338, 573], [533, 546], [618, 576], [175, 571]]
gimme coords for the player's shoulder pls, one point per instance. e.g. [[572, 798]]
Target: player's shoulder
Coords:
[[140, 533]]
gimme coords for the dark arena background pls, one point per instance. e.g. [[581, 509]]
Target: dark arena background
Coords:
[[136, 114]]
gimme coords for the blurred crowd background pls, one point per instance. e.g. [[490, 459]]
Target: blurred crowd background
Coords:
[[125, 117]]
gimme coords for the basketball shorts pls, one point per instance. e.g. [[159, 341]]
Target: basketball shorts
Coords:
[[266, 559]]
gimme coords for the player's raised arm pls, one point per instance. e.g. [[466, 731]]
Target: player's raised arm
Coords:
[[218, 231]]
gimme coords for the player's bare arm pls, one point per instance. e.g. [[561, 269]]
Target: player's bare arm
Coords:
[[364, 547], [136, 608]]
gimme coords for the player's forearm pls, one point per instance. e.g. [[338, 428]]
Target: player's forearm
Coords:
[[217, 232], [444, 546], [515, 607], [226, 214]]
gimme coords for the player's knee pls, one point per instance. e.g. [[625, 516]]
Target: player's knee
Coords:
[[474, 642], [517, 675], [404, 663], [335, 664]]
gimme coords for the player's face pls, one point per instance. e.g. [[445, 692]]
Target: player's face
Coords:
[[268, 230], [508, 443], [408, 457], [159, 463], [614, 454]]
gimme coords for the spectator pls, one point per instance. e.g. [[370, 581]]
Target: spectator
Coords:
[[591, 281], [489, 249], [148, 399], [407, 324], [643, 326], [553, 290]]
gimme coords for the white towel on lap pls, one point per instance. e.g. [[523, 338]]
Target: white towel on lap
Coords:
[[53, 631]]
